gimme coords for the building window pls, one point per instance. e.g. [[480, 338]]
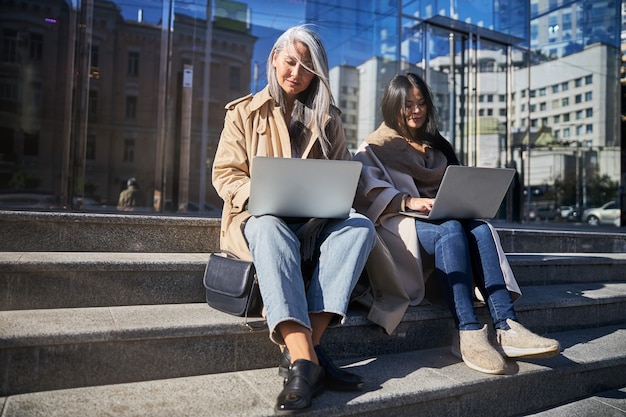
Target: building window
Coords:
[[543, 106], [555, 88], [235, 78], [579, 114], [129, 150], [579, 130], [133, 64], [566, 117], [589, 79], [31, 143], [565, 101], [578, 82], [578, 98], [542, 91], [589, 112], [566, 132], [588, 96], [8, 95], [90, 149], [489, 98], [92, 106], [589, 128], [94, 70], [9, 46], [557, 119], [131, 107], [36, 46], [502, 112], [564, 86], [544, 121], [501, 98]]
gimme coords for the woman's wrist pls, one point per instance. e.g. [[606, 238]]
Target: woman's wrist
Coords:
[[405, 198]]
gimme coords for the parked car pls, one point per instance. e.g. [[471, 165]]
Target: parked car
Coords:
[[575, 214], [542, 213], [606, 214], [565, 212]]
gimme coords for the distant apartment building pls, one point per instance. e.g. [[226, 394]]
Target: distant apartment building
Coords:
[[559, 112]]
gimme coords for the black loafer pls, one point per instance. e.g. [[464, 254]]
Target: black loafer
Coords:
[[305, 380], [336, 379]]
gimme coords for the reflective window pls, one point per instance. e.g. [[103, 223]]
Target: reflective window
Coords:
[[89, 100]]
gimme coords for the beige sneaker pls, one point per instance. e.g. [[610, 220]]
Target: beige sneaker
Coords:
[[519, 342], [474, 348]]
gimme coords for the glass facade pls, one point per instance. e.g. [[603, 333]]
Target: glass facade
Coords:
[[96, 92]]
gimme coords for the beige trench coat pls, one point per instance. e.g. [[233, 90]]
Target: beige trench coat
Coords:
[[254, 126], [396, 269]]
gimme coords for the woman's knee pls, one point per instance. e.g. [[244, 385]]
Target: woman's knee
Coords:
[[452, 228], [261, 225], [362, 226]]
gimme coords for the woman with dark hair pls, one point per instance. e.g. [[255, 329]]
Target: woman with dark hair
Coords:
[[403, 164], [293, 117]]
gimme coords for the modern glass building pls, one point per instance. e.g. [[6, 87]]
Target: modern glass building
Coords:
[[95, 92]]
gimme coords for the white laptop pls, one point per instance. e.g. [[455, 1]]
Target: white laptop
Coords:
[[468, 193], [294, 187]]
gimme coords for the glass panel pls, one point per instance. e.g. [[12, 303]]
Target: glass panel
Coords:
[[94, 93]]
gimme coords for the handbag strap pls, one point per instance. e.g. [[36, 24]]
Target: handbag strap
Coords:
[[228, 253], [258, 325]]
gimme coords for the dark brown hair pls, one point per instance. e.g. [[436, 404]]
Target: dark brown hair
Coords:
[[393, 105]]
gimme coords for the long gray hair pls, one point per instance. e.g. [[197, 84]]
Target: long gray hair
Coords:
[[316, 102]]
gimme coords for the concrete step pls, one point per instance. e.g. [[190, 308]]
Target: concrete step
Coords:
[[88, 232], [53, 349], [91, 232], [34, 280], [610, 403], [428, 382]]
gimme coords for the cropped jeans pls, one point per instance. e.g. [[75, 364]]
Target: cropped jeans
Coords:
[[341, 249], [464, 250]]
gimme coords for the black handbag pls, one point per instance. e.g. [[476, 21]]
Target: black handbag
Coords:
[[231, 285]]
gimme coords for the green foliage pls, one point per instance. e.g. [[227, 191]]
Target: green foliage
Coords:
[[600, 190], [87, 186], [24, 181]]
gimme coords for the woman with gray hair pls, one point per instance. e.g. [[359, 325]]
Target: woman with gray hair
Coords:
[[293, 117]]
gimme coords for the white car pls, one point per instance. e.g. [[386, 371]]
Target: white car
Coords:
[[609, 213]]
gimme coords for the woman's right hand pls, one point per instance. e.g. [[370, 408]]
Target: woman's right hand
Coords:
[[419, 203]]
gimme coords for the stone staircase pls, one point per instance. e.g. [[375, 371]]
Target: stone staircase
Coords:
[[104, 315]]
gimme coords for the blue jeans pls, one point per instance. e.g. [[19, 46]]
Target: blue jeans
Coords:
[[462, 250], [342, 248]]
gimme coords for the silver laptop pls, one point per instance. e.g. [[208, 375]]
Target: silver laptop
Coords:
[[294, 187], [469, 193]]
